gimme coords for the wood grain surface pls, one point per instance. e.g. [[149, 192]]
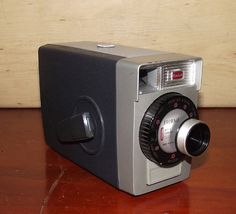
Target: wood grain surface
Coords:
[[202, 28], [35, 179]]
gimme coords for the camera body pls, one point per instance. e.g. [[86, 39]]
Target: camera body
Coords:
[[128, 115]]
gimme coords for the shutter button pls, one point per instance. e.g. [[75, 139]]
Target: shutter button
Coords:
[[105, 46]]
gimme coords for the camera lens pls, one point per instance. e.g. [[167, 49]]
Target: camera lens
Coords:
[[170, 129], [193, 137]]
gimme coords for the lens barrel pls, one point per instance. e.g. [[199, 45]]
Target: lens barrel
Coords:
[[193, 137]]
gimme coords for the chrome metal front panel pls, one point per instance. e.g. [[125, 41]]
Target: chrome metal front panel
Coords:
[[138, 175]]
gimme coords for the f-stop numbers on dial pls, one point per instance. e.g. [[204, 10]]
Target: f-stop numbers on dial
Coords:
[[170, 129]]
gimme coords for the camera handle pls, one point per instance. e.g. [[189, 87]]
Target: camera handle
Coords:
[[77, 128]]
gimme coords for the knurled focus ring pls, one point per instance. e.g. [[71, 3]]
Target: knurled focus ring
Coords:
[[151, 121]]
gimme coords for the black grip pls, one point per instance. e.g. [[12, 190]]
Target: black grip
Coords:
[[77, 128]]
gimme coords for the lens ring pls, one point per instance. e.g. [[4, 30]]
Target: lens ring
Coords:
[[150, 125], [193, 137]]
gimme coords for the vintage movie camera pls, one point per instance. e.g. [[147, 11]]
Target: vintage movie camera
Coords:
[[128, 115]]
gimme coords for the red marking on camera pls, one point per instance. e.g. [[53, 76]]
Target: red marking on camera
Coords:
[[177, 75], [162, 134]]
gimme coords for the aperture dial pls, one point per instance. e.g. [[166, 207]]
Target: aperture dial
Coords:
[[160, 125]]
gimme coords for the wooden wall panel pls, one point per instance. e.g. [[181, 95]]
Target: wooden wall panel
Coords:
[[204, 28]]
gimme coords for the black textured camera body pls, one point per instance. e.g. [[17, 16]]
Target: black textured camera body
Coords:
[[67, 75]]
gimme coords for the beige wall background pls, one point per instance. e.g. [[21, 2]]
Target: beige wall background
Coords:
[[205, 28]]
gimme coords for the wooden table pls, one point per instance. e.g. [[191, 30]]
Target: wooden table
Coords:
[[35, 179]]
